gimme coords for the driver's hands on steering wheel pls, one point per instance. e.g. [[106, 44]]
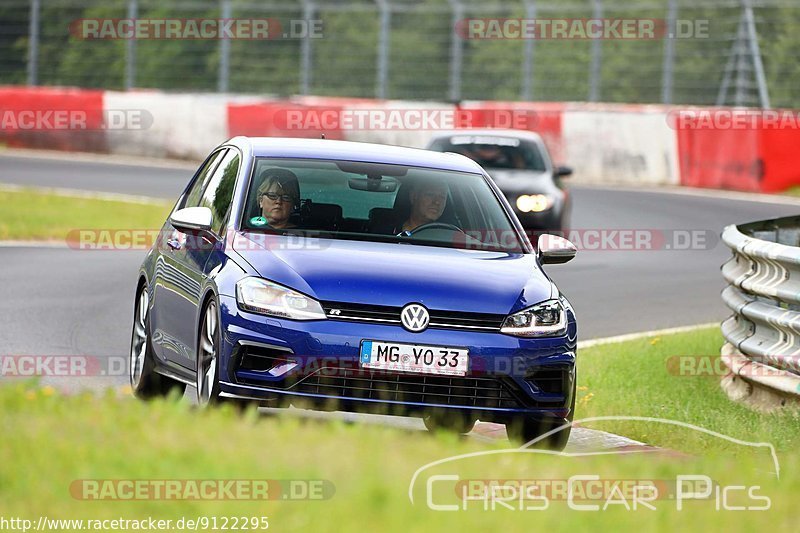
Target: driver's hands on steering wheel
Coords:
[[429, 226]]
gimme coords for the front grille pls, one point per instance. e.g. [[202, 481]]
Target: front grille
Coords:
[[391, 315], [441, 390]]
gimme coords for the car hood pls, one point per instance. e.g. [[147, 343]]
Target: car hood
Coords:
[[527, 181], [396, 274]]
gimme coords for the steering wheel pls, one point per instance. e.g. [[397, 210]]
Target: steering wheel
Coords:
[[435, 225]]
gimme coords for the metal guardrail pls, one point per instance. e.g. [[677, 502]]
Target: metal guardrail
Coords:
[[763, 334]]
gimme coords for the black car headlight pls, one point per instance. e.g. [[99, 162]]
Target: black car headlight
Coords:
[[546, 319], [267, 298]]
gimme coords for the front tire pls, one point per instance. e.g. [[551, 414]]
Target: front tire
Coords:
[[527, 429], [209, 343], [145, 382], [448, 421]]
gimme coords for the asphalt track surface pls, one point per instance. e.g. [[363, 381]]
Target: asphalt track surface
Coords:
[[59, 301]]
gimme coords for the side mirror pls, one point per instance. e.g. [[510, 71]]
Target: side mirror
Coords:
[[192, 220], [554, 250], [563, 172]]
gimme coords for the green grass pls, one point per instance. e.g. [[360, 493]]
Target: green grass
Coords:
[[49, 441], [35, 215], [792, 191], [634, 379]]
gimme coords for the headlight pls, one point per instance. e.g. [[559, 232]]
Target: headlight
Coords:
[[261, 296], [546, 319], [534, 203]]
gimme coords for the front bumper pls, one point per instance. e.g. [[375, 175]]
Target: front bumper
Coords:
[[316, 363]]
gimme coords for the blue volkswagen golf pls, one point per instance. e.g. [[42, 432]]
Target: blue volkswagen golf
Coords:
[[359, 277]]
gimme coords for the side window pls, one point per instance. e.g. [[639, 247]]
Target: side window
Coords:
[[195, 193], [219, 192]]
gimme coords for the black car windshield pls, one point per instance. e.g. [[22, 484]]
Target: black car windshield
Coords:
[[491, 151], [377, 202]]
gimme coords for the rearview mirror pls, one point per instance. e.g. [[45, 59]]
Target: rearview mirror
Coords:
[[562, 172], [383, 169], [192, 220], [554, 250], [374, 185]]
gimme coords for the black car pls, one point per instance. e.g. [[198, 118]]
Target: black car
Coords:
[[519, 163]]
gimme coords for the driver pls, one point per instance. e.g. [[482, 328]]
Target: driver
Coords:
[[278, 196], [428, 201], [492, 156]]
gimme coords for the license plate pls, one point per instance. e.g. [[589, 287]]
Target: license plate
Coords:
[[418, 358]]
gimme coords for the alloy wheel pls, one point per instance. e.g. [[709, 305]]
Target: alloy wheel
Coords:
[[140, 340], [207, 356]]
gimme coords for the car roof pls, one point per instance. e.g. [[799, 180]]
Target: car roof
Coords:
[[489, 132], [355, 151]]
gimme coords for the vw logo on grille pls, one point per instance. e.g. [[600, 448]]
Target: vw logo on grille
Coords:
[[414, 317]]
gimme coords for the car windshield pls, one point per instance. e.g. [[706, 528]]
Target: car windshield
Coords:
[[491, 151], [377, 202]]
